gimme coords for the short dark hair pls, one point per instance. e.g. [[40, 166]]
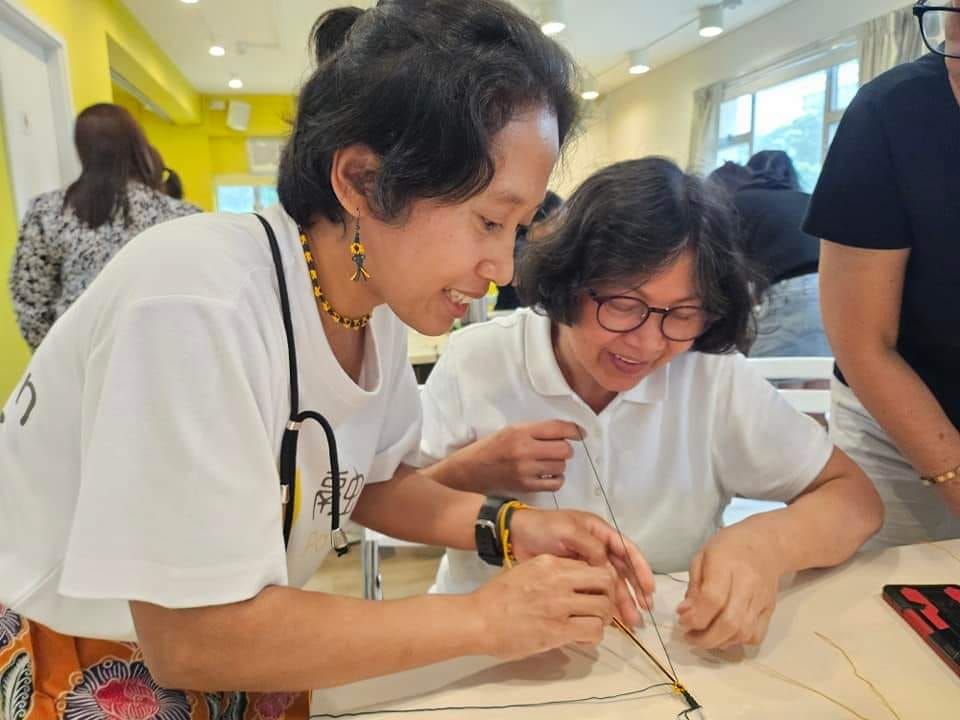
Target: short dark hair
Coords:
[[731, 177], [775, 165], [633, 219], [426, 84]]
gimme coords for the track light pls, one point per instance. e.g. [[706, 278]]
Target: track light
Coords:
[[711, 21], [551, 18], [639, 63]]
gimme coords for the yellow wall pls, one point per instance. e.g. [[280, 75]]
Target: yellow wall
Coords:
[[200, 153], [101, 35]]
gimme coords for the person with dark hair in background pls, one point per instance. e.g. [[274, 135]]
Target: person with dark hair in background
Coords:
[[507, 297], [638, 300], [887, 209], [771, 209], [148, 544], [172, 184], [67, 236], [730, 177]]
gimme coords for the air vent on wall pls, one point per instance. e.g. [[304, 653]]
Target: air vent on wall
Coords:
[[263, 155], [238, 115]]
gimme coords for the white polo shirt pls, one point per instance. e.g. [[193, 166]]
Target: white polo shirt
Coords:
[[671, 452], [138, 455]]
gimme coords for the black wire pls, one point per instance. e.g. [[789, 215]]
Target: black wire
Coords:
[[575, 701], [623, 542]]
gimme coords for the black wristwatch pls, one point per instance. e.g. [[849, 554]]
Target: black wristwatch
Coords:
[[485, 531]]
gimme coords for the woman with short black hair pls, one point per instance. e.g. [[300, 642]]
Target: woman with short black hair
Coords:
[[623, 386], [152, 562]]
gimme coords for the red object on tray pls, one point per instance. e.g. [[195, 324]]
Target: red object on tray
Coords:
[[933, 611]]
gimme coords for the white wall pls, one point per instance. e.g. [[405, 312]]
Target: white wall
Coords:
[[652, 114], [586, 152]]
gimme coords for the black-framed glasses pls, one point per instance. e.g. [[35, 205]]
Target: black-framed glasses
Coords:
[[940, 26], [625, 313]]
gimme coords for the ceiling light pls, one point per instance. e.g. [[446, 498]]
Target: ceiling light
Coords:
[[554, 27], [551, 18], [235, 83], [189, 2], [639, 63], [590, 94], [711, 21], [217, 50]]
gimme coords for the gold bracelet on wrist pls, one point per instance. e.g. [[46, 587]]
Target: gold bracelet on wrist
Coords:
[[503, 525], [942, 478]]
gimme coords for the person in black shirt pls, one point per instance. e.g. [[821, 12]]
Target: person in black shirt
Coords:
[[888, 207], [731, 177], [772, 208]]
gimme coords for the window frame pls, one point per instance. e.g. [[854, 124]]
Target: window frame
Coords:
[[839, 52]]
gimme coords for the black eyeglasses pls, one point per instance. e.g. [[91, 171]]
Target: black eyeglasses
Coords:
[[940, 27], [624, 313]]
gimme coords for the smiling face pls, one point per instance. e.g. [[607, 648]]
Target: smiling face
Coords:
[[599, 364], [442, 256]]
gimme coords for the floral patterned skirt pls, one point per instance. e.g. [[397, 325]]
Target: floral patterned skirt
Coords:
[[44, 674]]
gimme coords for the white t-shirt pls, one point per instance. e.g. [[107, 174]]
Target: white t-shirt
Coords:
[[670, 452], [139, 454]]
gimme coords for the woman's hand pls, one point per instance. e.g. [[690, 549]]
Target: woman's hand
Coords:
[[584, 536], [733, 590], [518, 459], [546, 603]]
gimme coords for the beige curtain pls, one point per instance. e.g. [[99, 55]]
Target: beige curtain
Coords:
[[706, 126], [888, 41]]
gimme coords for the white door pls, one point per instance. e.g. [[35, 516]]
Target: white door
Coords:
[[27, 100]]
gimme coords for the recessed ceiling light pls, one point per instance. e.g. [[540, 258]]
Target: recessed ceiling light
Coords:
[[639, 64], [235, 83], [711, 21], [189, 2], [590, 94], [217, 50]]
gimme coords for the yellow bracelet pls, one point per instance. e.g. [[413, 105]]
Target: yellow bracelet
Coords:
[[508, 557], [942, 478]]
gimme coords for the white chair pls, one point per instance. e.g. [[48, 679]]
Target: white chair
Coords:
[[813, 401], [372, 541]]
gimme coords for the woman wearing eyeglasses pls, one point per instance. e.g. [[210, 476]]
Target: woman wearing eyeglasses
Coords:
[[152, 557], [639, 301], [887, 207]]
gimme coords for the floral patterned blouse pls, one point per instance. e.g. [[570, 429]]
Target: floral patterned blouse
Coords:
[[58, 256]]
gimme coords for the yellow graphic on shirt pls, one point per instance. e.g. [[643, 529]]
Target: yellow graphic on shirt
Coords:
[[296, 497]]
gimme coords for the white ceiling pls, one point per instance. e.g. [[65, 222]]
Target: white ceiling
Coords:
[[266, 39]]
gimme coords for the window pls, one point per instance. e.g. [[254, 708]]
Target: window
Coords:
[[245, 198], [798, 116]]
